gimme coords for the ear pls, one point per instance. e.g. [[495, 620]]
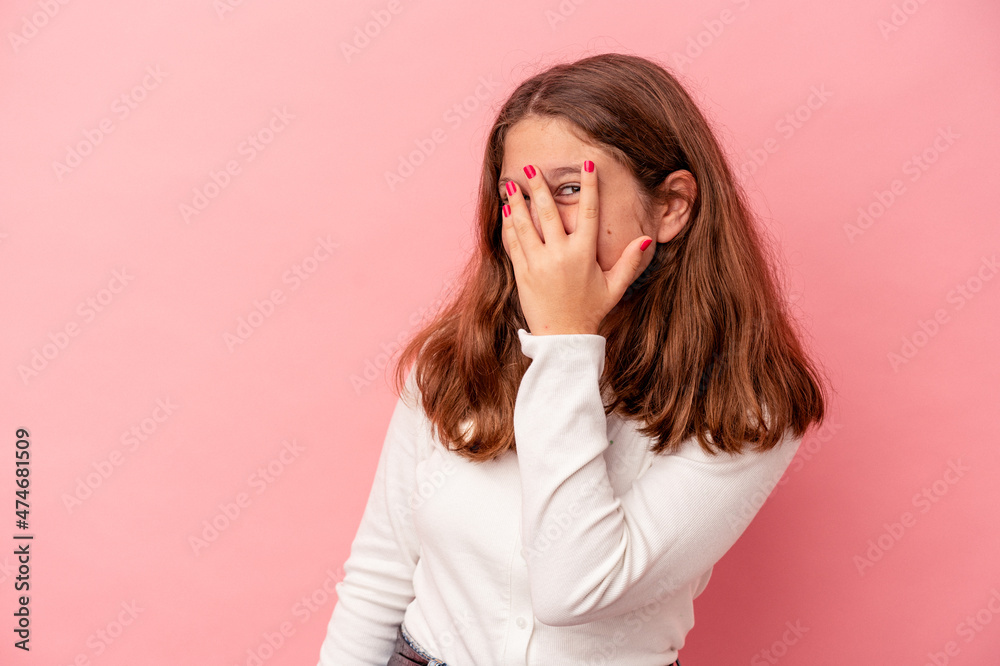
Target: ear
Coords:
[[674, 214]]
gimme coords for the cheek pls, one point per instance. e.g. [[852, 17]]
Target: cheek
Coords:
[[608, 250], [610, 246]]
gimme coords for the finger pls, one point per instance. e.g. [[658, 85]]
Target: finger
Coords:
[[587, 210], [545, 206], [626, 269], [520, 218], [509, 235]]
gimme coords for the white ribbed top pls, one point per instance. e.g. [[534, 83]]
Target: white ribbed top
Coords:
[[581, 548]]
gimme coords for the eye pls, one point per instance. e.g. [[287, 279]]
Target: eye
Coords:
[[503, 199]]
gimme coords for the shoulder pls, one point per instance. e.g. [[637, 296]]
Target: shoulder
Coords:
[[778, 456]]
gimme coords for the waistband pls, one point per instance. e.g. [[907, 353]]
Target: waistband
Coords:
[[431, 661]]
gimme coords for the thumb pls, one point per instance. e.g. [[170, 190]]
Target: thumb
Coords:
[[626, 270]]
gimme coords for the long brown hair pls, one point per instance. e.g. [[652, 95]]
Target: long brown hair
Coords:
[[700, 343]]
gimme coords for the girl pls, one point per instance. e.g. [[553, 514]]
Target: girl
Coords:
[[599, 414]]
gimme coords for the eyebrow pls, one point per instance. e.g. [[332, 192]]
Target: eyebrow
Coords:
[[549, 175]]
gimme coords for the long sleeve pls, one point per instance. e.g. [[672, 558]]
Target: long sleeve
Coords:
[[592, 555], [378, 574]]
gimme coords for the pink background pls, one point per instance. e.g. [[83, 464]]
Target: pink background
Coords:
[[378, 258]]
